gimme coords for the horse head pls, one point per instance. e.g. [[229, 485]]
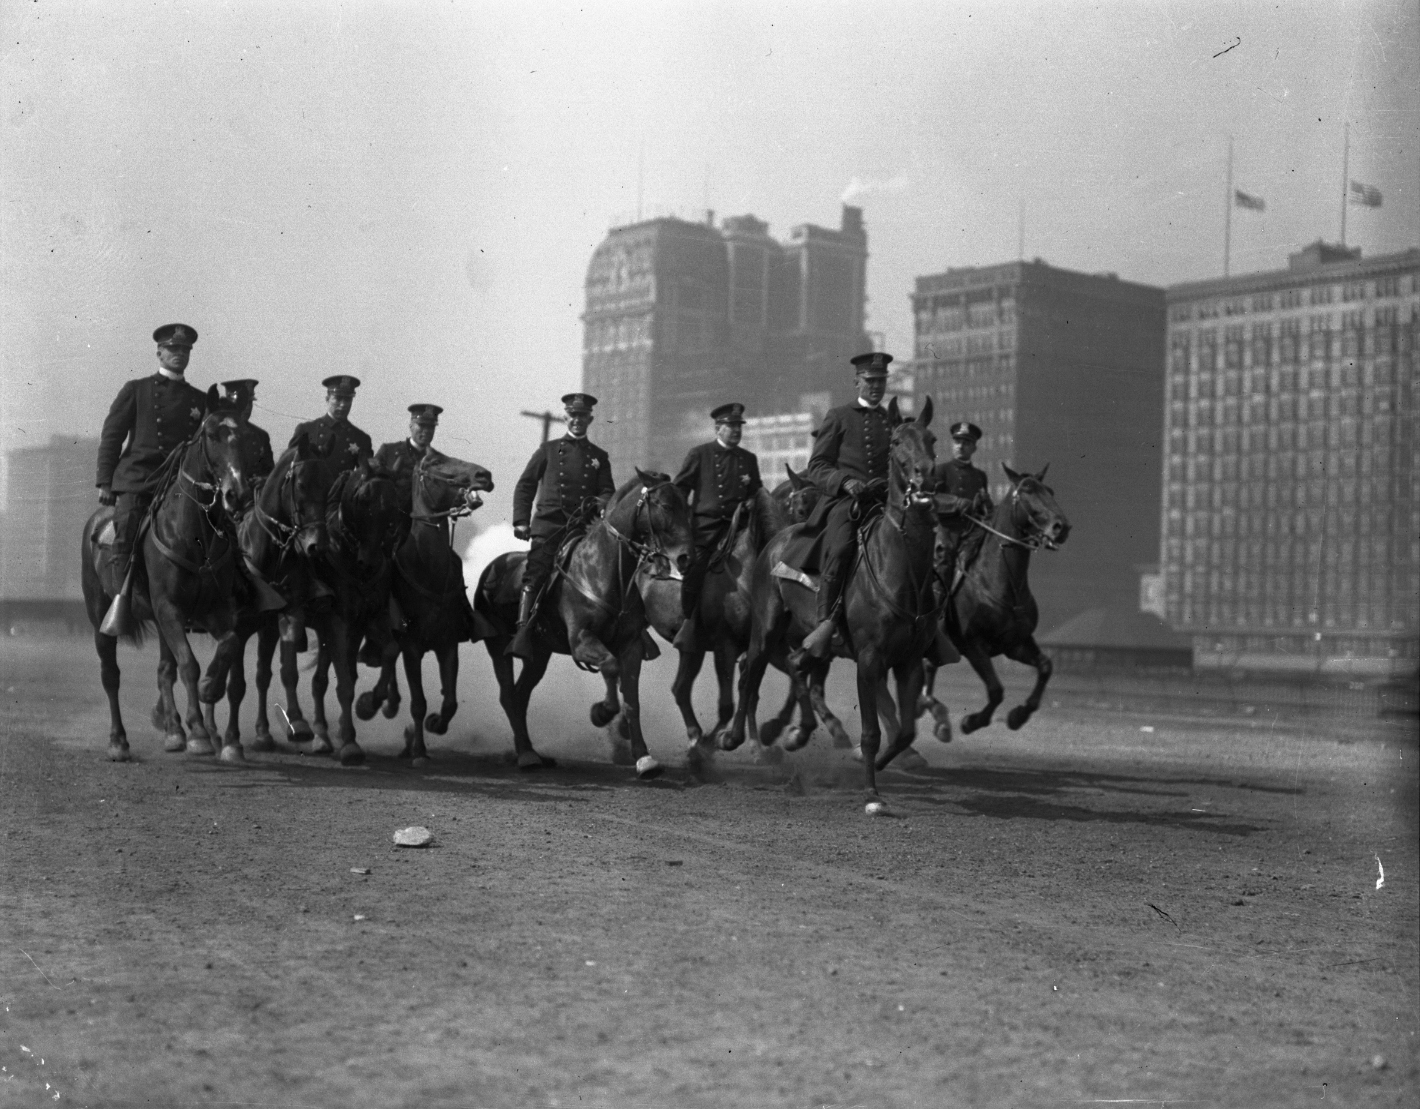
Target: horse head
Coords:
[[448, 487], [219, 440], [1033, 511], [372, 515], [802, 496], [300, 491], [652, 517], [912, 459]]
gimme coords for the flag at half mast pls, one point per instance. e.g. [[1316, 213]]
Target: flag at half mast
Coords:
[[1248, 201], [1367, 196]]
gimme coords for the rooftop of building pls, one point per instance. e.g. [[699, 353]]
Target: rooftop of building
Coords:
[[1020, 272], [1315, 262]]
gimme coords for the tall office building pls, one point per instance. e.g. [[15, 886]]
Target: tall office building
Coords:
[[1061, 368], [684, 316], [49, 493], [1290, 533]]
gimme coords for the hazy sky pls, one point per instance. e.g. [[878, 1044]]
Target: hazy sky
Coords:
[[411, 191]]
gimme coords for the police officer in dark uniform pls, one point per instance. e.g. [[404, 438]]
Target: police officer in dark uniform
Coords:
[[561, 476], [961, 494], [717, 477], [400, 459], [154, 415], [257, 459], [850, 457], [333, 435]]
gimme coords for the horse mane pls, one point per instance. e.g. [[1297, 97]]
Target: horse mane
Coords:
[[763, 521]]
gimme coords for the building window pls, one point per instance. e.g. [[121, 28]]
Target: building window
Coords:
[[1320, 294]]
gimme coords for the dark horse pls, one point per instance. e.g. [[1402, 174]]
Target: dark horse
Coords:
[[890, 610], [593, 608], [284, 530], [365, 525], [429, 591], [723, 618], [991, 612], [186, 578]]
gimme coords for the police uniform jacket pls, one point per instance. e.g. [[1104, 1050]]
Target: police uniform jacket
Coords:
[[958, 483], [257, 461], [718, 478], [853, 442], [559, 477], [330, 439], [155, 414], [399, 461]]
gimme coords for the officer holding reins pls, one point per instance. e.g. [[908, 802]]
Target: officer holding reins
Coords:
[[560, 478], [961, 495], [717, 477], [401, 459]]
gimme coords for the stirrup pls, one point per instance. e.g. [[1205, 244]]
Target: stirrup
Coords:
[[819, 642]]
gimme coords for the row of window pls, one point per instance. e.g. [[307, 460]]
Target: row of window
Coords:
[[1339, 434], [1283, 381], [1287, 348], [1361, 289]]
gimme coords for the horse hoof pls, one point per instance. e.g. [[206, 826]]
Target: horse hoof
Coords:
[[970, 724], [770, 730], [531, 760], [1017, 717], [436, 724], [391, 709], [693, 734], [943, 731], [876, 807], [321, 731], [648, 768], [857, 753], [602, 715], [175, 742], [232, 753], [200, 745], [263, 742], [298, 731], [797, 739], [419, 760], [210, 692], [351, 754], [728, 741], [320, 745], [118, 752], [365, 706]]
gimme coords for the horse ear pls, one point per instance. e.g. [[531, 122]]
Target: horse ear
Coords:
[[1010, 473], [214, 398], [303, 447], [894, 413], [797, 481], [1040, 477], [925, 416]]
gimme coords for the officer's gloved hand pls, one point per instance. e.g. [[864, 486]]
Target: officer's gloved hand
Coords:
[[107, 496], [852, 487], [981, 504], [520, 531], [877, 487]]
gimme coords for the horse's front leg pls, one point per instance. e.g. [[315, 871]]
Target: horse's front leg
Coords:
[[266, 639], [343, 645], [909, 688], [682, 687], [107, 648], [414, 730], [165, 714], [298, 729], [646, 766], [981, 663], [870, 674], [320, 684], [438, 723], [236, 691], [818, 677], [928, 702], [185, 665], [386, 689], [1030, 654]]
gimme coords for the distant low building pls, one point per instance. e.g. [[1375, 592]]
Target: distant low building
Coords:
[[1291, 535], [49, 494], [780, 441]]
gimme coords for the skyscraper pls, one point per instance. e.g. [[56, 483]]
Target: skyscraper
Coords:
[[1062, 368], [683, 316]]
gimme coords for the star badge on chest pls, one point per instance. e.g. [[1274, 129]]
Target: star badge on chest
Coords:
[[353, 448], [196, 413]]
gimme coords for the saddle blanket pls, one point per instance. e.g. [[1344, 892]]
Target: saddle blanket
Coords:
[[106, 534]]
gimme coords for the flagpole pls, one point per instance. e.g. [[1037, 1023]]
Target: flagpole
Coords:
[[1228, 212], [1345, 172], [1021, 228]]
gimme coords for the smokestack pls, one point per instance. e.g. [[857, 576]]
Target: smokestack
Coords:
[[709, 217], [852, 223]]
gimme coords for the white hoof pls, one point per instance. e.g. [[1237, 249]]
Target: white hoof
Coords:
[[232, 753], [647, 767], [875, 808], [857, 753], [175, 743]]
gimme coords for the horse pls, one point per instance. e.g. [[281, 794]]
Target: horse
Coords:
[[889, 608], [184, 576], [593, 608], [991, 611], [365, 525], [428, 589], [284, 530]]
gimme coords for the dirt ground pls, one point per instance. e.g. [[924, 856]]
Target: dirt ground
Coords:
[[1103, 907]]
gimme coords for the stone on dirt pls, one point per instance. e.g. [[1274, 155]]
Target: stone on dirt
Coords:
[[413, 836]]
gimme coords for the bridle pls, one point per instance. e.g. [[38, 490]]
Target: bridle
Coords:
[[655, 550], [1035, 540], [212, 487], [284, 534]]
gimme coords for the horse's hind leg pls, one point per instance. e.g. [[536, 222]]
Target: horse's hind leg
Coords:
[[646, 766], [981, 663], [681, 688], [909, 688], [414, 730], [819, 675], [298, 730], [928, 703], [1030, 654], [107, 648], [438, 723], [514, 695], [266, 638], [236, 692]]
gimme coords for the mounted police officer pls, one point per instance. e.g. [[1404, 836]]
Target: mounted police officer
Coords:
[[850, 459], [257, 460], [562, 477], [154, 415], [400, 460], [961, 495], [717, 477], [333, 436]]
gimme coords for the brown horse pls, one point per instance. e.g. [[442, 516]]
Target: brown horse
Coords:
[[284, 530], [365, 524], [992, 612], [890, 612], [429, 589], [593, 608], [185, 578]]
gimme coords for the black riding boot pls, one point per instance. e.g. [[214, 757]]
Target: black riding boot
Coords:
[[522, 645], [819, 642]]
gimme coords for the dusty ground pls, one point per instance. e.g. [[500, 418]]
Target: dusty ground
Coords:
[[1083, 911]]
